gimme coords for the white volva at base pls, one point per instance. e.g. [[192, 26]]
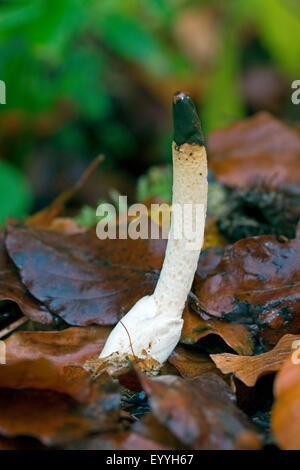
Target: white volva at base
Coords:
[[152, 331]]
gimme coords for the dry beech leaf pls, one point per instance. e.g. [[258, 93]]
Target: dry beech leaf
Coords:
[[66, 225], [285, 416], [260, 148], [53, 360], [256, 283], [191, 363], [82, 279], [11, 288], [250, 368], [200, 412], [54, 418], [236, 336]]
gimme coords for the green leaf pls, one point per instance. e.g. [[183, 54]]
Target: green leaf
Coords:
[[15, 194], [157, 182], [18, 13], [224, 103], [279, 27], [87, 215], [132, 40], [80, 79]]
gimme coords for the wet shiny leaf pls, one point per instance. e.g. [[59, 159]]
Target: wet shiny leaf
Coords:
[[200, 412], [82, 279], [256, 283], [11, 288]]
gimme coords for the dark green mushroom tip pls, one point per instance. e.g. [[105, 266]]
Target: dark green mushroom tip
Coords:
[[187, 127]]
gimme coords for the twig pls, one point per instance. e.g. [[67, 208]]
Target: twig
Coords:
[[13, 326], [129, 338]]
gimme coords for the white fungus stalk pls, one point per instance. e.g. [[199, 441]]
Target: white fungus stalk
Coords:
[[153, 325]]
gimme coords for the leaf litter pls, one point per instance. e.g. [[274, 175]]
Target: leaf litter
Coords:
[[246, 295]]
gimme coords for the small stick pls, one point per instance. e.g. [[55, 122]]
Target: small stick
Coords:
[[88, 172], [129, 338], [13, 326]]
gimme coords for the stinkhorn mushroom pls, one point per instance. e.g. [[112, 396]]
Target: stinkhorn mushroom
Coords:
[[153, 325]]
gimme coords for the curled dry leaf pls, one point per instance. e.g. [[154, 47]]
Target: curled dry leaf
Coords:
[[260, 148], [82, 279], [53, 418], [285, 416], [191, 363], [53, 360], [250, 368], [11, 288], [200, 412], [66, 225], [236, 336], [256, 283]]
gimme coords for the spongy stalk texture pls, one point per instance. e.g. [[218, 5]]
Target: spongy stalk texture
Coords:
[[189, 191], [155, 322]]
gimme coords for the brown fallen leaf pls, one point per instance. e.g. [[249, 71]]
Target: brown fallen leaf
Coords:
[[53, 418], [250, 368], [208, 261], [256, 283], [260, 148], [236, 336], [200, 412], [11, 288], [191, 363], [285, 416], [146, 433], [66, 225], [151, 428], [53, 360], [126, 440], [45, 217], [82, 279]]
